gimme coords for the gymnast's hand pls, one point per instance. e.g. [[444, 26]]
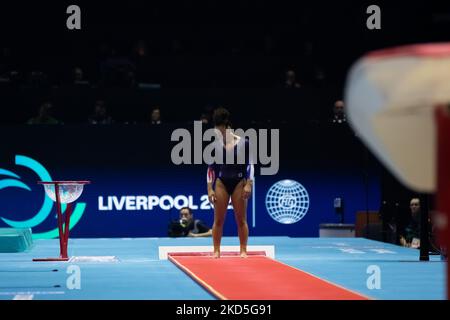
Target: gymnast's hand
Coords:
[[212, 196], [247, 191]]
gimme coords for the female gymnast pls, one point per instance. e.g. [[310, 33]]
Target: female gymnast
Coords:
[[230, 180]]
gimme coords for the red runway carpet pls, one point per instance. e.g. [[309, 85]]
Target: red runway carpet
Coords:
[[257, 278]]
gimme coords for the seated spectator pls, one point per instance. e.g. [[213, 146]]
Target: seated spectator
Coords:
[[38, 79], [291, 82], [44, 115], [140, 49], [187, 226], [117, 71], [140, 59], [338, 112], [78, 76], [156, 116], [410, 236], [100, 115], [319, 77]]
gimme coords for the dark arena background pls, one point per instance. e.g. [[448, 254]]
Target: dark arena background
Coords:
[[100, 102]]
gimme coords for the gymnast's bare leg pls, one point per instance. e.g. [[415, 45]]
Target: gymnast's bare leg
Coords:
[[220, 198]]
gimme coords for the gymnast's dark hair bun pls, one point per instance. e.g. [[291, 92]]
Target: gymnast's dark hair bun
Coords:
[[221, 117]]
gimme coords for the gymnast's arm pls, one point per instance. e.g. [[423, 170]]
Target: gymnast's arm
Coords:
[[248, 181], [249, 172], [210, 177]]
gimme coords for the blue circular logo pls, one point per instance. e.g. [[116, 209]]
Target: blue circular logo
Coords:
[[287, 201], [13, 180]]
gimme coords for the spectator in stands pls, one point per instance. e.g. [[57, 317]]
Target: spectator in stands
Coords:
[[156, 116], [117, 70], [78, 76], [44, 115], [410, 236], [291, 82], [38, 79], [140, 49], [187, 226], [319, 77], [338, 112], [145, 71], [130, 79], [100, 115]]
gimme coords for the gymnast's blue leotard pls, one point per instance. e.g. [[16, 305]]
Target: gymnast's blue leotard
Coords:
[[231, 174]]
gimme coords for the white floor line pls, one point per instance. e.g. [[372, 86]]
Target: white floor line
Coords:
[[164, 250], [19, 294], [23, 297]]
